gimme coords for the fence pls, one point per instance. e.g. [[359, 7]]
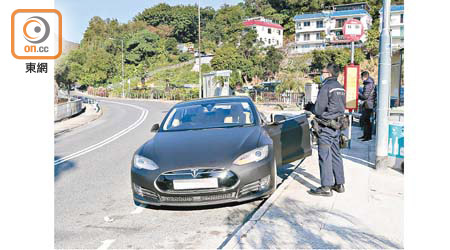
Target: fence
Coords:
[[67, 109], [189, 94], [283, 98]]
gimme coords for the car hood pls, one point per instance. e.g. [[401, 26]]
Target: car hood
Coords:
[[200, 148]]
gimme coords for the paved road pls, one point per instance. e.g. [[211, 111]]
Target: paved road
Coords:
[[93, 200]]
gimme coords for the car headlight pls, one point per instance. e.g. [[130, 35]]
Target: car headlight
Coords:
[[144, 163], [255, 155]]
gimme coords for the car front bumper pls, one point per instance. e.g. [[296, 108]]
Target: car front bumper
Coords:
[[252, 183]]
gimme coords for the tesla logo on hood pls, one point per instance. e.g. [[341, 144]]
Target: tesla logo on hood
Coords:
[[194, 172]]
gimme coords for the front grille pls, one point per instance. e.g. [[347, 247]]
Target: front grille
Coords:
[[226, 180], [213, 197]]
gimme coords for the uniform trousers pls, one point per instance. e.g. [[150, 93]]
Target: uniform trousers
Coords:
[[330, 159]]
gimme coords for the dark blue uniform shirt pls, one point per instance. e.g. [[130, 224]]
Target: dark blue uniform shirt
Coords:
[[330, 102]]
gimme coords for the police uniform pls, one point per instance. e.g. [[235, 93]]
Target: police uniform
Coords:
[[330, 104]]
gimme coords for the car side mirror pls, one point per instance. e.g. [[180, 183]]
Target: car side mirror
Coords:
[[277, 119], [155, 128]]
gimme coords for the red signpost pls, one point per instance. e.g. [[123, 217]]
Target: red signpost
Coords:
[[353, 30]]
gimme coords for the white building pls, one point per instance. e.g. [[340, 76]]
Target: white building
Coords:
[[310, 31], [323, 29], [397, 26], [269, 33]]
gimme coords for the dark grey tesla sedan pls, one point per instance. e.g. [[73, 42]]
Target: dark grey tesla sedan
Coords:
[[215, 150]]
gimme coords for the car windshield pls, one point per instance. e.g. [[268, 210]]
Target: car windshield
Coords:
[[209, 115]]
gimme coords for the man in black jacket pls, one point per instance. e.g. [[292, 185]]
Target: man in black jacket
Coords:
[[330, 105], [368, 96]]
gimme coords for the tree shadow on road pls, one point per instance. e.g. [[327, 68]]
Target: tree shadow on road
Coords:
[[62, 167]]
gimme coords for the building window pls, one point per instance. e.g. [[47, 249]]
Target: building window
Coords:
[[299, 25], [401, 18], [269, 40], [269, 30], [340, 22], [279, 32], [260, 39], [306, 24], [306, 37], [278, 42], [319, 36], [358, 18], [319, 24]]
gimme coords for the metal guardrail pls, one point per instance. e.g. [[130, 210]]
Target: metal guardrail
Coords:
[[67, 109]]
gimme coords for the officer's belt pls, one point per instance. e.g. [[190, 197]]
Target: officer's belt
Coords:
[[334, 123]]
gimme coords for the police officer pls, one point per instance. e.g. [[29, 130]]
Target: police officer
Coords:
[[330, 105], [368, 95]]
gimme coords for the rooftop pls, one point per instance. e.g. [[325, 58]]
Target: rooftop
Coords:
[[331, 14], [395, 8], [310, 16], [261, 23], [349, 13]]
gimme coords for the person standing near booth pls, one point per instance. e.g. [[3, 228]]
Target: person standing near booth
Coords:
[[368, 95]]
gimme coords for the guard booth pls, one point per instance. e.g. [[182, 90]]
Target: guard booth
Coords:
[[216, 83]]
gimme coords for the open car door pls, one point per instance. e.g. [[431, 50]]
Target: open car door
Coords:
[[291, 138]]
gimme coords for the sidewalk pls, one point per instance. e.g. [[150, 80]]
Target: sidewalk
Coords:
[[85, 117], [368, 215]]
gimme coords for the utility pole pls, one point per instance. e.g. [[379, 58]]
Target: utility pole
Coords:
[[384, 84], [123, 81], [199, 56]]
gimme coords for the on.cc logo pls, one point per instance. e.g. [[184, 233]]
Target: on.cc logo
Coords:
[[36, 34]]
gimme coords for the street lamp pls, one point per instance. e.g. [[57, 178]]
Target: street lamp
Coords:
[[123, 83]]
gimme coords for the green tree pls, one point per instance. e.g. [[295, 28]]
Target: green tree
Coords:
[[98, 68], [272, 61], [373, 40], [226, 26], [140, 46], [341, 57]]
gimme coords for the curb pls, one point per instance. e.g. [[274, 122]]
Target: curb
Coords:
[[99, 113], [232, 241]]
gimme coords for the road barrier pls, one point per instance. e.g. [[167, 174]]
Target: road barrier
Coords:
[[280, 98], [68, 109]]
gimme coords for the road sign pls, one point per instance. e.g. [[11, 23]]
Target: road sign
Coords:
[[351, 83], [353, 30]]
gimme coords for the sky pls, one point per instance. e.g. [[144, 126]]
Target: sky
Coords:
[[77, 13]]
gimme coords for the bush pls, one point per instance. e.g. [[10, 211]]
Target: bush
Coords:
[[184, 57], [341, 57]]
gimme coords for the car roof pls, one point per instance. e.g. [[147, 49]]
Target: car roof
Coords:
[[214, 99]]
